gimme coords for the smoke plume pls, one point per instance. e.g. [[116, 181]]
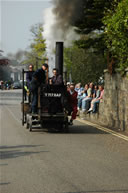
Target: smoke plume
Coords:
[[59, 21], [67, 12]]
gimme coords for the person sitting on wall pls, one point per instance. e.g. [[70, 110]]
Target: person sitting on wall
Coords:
[[73, 102], [84, 94], [57, 78], [38, 78], [86, 101], [97, 100]]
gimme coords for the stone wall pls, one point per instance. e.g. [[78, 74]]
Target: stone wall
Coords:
[[113, 110]]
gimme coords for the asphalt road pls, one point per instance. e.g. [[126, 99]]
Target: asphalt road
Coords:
[[85, 160]]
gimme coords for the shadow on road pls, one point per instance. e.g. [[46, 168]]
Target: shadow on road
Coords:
[[10, 154], [102, 191], [3, 164], [19, 146], [87, 129], [7, 183], [77, 129]]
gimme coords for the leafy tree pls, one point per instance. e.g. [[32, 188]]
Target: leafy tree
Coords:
[[84, 65], [88, 59], [116, 33], [36, 53], [90, 24]]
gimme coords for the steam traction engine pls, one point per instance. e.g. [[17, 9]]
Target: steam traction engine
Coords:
[[52, 102]]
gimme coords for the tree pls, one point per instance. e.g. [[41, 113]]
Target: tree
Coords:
[[37, 49], [116, 33], [90, 24], [88, 59], [84, 65]]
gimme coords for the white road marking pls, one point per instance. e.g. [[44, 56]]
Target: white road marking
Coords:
[[104, 129]]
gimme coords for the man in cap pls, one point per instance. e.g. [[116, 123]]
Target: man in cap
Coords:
[[38, 78], [40, 74]]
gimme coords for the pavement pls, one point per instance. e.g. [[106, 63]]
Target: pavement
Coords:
[[88, 159]]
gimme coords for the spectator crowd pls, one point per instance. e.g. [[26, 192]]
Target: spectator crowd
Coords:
[[89, 97]]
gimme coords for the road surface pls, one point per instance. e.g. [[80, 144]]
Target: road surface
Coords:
[[85, 160]]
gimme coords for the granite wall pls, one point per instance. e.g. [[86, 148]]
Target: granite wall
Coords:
[[113, 110]]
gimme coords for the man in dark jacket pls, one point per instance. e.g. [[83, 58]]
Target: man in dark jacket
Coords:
[[57, 78], [38, 78], [29, 75]]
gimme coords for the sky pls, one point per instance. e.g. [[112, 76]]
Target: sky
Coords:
[[16, 19]]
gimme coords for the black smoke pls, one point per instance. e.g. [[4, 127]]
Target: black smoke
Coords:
[[60, 22], [67, 12]]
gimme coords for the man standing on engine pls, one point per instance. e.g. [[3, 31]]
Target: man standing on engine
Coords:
[[29, 75], [38, 78]]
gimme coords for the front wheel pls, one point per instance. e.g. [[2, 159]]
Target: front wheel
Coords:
[[30, 127], [30, 124], [27, 125], [27, 121]]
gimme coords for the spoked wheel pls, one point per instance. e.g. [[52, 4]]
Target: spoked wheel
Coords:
[[27, 122], [27, 125], [30, 127], [30, 124], [25, 118]]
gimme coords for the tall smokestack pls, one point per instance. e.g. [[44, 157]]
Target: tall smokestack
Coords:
[[59, 57]]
